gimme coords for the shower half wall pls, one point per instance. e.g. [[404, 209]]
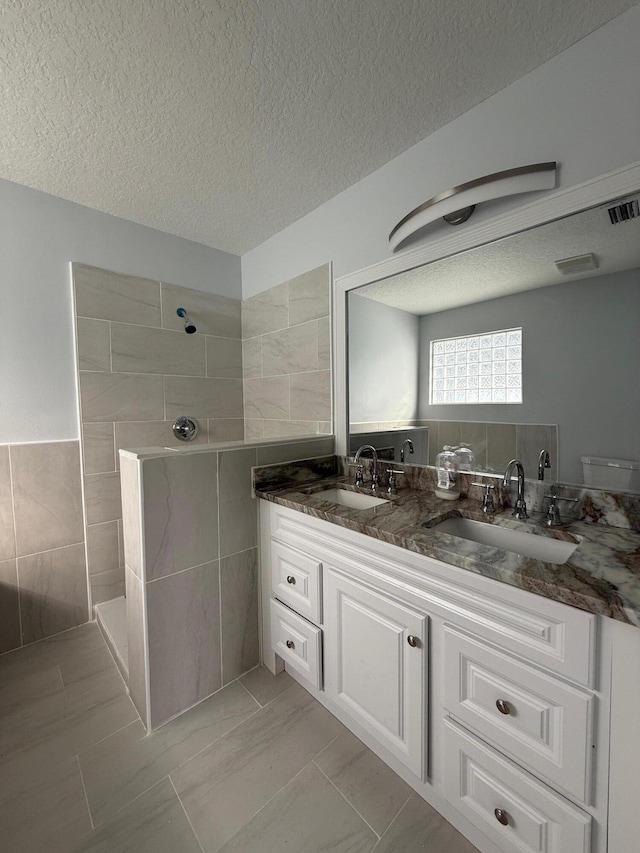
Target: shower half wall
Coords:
[[137, 372]]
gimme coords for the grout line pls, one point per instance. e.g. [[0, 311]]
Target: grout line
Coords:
[[351, 806], [186, 814], [400, 810], [86, 796]]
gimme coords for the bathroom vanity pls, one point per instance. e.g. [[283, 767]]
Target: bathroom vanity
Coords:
[[507, 710]]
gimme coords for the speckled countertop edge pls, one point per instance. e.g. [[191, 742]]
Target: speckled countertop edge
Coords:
[[602, 575]]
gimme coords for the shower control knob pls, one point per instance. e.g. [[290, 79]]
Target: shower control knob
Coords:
[[291, 644], [184, 428], [291, 579]]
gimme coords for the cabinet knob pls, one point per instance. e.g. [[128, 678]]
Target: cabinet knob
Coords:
[[503, 707], [414, 642], [502, 817], [291, 579], [291, 644]]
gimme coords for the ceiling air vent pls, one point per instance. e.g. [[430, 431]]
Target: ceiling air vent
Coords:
[[579, 263], [621, 212]]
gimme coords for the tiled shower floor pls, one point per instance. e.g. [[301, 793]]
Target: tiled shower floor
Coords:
[[260, 766]]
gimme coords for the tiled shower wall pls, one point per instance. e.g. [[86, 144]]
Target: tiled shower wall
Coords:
[[287, 358], [138, 371], [43, 583]]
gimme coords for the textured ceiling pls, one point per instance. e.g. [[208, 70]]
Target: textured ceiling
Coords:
[[524, 261], [224, 121]]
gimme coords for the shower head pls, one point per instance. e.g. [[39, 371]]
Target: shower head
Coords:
[[188, 325]]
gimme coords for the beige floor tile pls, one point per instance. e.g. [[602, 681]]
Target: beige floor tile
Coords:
[[421, 829], [127, 763], [46, 810], [224, 786], [308, 815], [264, 686], [154, 823], [372, 788]]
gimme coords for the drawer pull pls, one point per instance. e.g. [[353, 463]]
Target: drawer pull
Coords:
[[414, 642], [503, 707], [291, 579], [502, 817], [291, 644]]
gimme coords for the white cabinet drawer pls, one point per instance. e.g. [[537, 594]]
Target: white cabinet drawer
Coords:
[[297, 580], [535, 718], [297, 642], [518, 813]]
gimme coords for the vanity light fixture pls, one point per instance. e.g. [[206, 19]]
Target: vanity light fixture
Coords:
[[457, 204]]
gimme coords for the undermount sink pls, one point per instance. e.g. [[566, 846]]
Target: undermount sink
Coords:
[[353, 500], [519, 541]]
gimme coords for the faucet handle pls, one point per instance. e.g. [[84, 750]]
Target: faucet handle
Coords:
[[391, 480], [359, 472], [488, 504]]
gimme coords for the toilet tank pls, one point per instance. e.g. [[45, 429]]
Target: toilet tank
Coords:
[[617, 475]]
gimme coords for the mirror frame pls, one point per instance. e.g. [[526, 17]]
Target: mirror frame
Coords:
[[608, 187]]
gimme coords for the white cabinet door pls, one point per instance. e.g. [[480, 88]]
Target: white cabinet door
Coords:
[[375, 665]]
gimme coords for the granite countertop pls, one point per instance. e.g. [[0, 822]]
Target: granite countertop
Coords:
[[601, 576]]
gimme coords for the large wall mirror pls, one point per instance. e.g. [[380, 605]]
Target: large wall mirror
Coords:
[[528, 342]]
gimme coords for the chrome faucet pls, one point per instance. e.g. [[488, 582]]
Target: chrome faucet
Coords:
[[405, 443], [520, 509], [543, 462], [374, 473]]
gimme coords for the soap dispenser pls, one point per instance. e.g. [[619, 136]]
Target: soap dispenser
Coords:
[[447, 464]]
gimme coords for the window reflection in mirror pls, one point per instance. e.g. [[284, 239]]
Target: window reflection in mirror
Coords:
[[580, 349]]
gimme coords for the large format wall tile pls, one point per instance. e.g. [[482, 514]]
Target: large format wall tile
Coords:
[[46, 495], [239, 613], [131, 514], [53, 592], [265, 312], [102, 497], [136, 643], [102, 547], [252, 358], [107, 585], [501, 445], [309, 295], [121, 397], [111, 296], [225, 429], [7, 534], [311, 396], [9, 606], [238, 509], [99, 453], [224, 357], [282, 429], [267, 398], [202, 398], [180, 512], [324, 344], [211, 314], [94, 352], [292, 350], [135, 349], [183, 615]]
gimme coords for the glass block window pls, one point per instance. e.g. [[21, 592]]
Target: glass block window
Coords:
[[483, 368]]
